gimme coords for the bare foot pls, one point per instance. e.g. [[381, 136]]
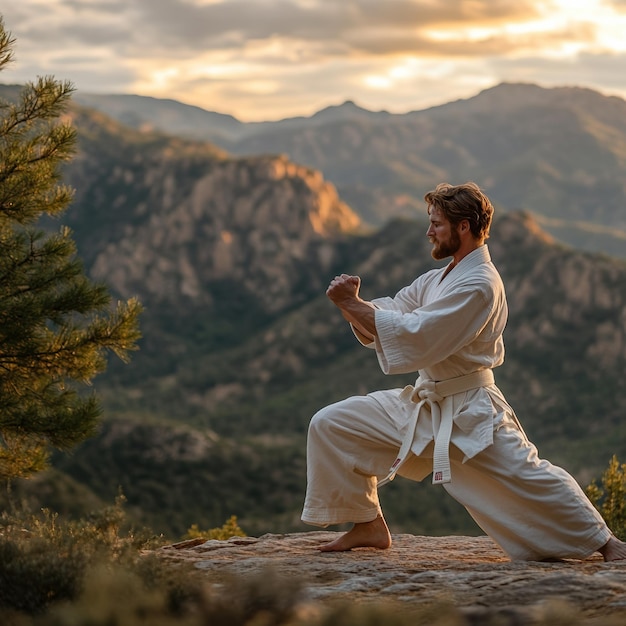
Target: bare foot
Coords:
[[613, 550], [374, 534]]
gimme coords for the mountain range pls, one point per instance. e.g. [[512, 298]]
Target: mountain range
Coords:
[[558, 152], [230, 255]]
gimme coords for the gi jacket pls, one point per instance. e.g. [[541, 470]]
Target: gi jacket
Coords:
[[443, 326]]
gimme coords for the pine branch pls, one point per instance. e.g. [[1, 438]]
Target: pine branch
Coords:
[[56, 326], [6, 46]]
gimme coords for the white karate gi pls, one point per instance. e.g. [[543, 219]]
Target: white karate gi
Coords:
[[444, 328]]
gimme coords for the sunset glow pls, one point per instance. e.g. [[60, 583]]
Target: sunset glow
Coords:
[[262, 59]]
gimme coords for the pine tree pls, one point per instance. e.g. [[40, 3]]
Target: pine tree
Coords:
[[56, 326]]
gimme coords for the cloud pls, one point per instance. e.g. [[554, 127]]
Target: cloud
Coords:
[[273, 58], [65, 22], [618, 5], [194, 26], [152, 27], [460, 44]]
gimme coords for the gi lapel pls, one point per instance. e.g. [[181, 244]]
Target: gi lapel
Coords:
[[466, 265]]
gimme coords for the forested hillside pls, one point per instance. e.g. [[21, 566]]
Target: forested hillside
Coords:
[[230, 257]]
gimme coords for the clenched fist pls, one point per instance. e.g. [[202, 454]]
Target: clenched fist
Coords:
[[344, 287]]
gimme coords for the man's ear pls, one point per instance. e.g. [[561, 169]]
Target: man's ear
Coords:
[[464, 226]]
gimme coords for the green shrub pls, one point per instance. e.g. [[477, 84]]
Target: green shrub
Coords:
[[610, 497], [117, 596], [33, 573], [44, 560], [228, 530]]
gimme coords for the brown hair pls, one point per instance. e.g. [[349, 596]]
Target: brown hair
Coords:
[[463, 202]]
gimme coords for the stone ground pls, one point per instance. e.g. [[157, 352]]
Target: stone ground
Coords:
[[470, 573]]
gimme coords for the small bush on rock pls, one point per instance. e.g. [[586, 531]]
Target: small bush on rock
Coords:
[[610, 497], [228, 530]]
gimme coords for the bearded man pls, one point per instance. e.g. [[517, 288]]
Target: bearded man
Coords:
[[454, 422]]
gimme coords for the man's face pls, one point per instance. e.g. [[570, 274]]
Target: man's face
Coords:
[[442, 235]]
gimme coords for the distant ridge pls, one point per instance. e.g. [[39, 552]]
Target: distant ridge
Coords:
[[144, 112], [558, 152], [347, 110]]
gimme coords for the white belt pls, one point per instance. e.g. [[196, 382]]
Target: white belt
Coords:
[[433, 394]]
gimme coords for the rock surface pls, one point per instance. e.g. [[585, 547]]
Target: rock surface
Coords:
[[470, 573]]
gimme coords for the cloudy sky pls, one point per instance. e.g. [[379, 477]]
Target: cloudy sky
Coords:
[[269, 59]]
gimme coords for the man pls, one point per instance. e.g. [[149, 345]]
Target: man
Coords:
[[454, 422]]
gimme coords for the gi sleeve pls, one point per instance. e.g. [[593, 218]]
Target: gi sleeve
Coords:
[[406, 300], [429, 334]]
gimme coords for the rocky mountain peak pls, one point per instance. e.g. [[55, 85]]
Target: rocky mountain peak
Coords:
[[259, 221]]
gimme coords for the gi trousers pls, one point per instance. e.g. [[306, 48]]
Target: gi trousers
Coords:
[[531, 508]]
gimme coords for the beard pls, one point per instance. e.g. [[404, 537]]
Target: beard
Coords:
[[444, 249]]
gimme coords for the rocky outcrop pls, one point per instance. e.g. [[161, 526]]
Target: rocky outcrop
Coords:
[[257, 222], [470, 574], [169, 219]]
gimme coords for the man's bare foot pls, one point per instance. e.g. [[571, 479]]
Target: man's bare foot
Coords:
[[613, 550], [374, 534]]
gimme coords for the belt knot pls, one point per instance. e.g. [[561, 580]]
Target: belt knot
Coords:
[[432, 393], [423, 390]]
